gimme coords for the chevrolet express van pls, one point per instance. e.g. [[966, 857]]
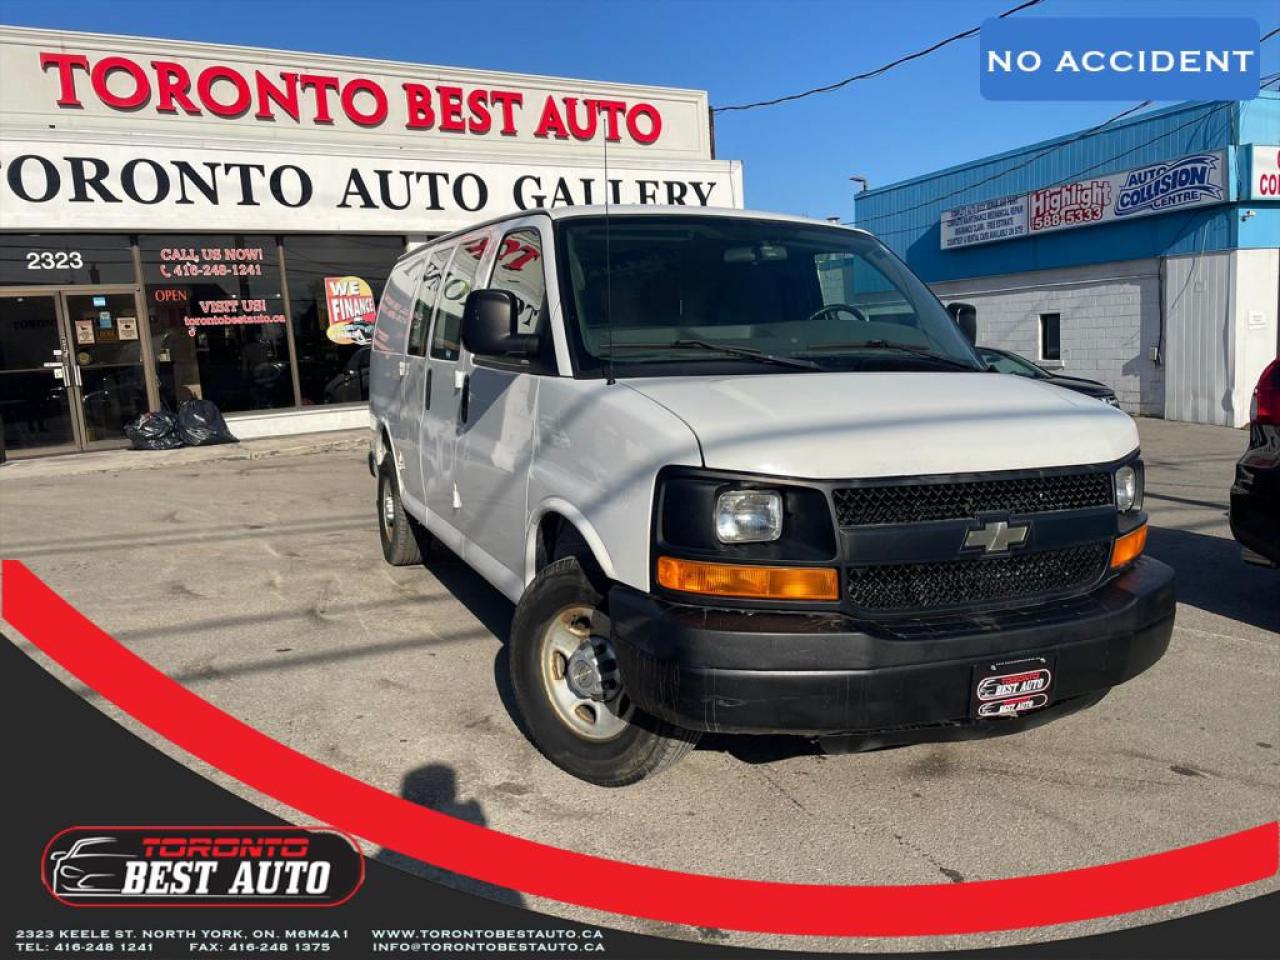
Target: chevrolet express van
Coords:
[[744, 473]]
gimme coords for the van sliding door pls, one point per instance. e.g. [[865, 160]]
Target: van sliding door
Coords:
[[496, 445], [446, 388]]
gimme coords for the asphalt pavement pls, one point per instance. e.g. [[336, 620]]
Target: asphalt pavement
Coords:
[[259, 583]]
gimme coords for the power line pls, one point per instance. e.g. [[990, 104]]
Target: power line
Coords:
[[1054, 148], [1199, 118], [972, 31]]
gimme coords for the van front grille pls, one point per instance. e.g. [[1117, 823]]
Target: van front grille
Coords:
[[923, 586], [922, 502]]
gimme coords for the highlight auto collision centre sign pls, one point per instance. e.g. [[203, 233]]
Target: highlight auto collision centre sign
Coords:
[[1184, 183], [101, 132]]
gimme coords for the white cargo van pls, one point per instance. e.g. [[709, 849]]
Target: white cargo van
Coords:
[[743, 472]]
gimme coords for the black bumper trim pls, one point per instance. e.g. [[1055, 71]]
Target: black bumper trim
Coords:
[[821, 674]]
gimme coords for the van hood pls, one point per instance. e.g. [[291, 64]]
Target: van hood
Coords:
[[826, 426]]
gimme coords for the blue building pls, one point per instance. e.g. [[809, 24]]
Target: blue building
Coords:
[[1145, 254]]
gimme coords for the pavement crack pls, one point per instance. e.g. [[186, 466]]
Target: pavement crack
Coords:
[[784, 792], [955, 876]]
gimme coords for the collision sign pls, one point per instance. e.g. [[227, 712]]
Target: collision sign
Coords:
[[1264, 172]]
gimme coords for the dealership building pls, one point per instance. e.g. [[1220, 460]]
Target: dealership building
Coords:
[[182, 220], [1145, 254]]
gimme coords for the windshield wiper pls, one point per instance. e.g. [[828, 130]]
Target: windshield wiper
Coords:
[[902, 348], [746, 353]]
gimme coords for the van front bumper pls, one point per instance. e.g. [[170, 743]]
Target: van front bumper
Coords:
[[881, 683]]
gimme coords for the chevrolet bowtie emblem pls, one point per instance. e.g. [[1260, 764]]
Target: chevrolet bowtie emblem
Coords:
[[996, 537]]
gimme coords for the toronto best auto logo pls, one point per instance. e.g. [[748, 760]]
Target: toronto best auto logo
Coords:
[[201, 866]]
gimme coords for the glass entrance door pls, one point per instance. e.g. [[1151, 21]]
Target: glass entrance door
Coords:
[[106, 363], [35, 406]]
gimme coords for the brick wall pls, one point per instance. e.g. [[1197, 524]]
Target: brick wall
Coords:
[[1110, 321]]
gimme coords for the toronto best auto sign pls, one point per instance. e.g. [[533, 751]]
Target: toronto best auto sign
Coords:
[[141, 135]]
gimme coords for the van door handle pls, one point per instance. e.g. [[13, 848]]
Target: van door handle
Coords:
[[465, 402], [427, 404]]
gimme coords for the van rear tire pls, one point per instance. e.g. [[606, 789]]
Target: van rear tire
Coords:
[[403, 538], [609, 742]]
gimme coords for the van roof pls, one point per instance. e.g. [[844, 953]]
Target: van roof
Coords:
[[631, 210]]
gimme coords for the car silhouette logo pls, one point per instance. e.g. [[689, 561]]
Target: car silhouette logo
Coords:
[[91, 867]]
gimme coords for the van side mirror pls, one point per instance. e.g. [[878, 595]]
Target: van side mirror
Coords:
[[489, 323], [966, 317]]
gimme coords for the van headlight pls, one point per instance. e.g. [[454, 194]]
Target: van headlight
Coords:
[[1128, 489], [748, 516]]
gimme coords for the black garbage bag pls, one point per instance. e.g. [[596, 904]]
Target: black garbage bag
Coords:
[[200, 424], [154, 431]]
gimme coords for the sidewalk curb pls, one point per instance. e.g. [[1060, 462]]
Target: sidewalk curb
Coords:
[[112, 461]]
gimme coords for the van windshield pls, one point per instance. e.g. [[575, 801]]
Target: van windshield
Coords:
[[695, 294]]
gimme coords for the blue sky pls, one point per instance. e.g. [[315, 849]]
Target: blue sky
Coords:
[[797, 157]]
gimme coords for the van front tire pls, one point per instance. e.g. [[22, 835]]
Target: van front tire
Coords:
[[403, 538], [607, 742]]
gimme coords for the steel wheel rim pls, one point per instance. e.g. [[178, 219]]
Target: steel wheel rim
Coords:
[[589, 719], [388, 507]]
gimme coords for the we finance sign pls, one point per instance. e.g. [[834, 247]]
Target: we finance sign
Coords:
[[1180, 184]]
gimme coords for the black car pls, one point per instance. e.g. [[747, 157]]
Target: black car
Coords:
[[1255, 496], [1003, 361]]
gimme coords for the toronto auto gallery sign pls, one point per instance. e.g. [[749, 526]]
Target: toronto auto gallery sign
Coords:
[[1180, 184], [120, 133], [56, 186]]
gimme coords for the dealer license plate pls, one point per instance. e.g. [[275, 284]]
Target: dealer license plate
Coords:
[[1011, 688]]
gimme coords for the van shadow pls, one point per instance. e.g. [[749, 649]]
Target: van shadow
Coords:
[[435, 786], [1213, 578], [486, 604]]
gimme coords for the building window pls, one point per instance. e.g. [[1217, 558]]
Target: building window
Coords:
[[335, 283], [217, 319], [32, 259], [1050, 336]]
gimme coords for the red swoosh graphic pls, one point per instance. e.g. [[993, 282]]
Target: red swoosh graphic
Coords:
[[358, 808]]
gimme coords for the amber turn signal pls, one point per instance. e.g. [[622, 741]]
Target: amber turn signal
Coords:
[[748, 581], [1129, 547]]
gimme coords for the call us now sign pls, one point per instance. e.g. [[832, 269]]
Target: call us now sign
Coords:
[[1157, 57]]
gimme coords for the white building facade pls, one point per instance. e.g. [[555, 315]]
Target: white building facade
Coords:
[[185, 220]]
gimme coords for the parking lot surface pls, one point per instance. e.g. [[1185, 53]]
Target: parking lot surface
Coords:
[[260, 585]]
